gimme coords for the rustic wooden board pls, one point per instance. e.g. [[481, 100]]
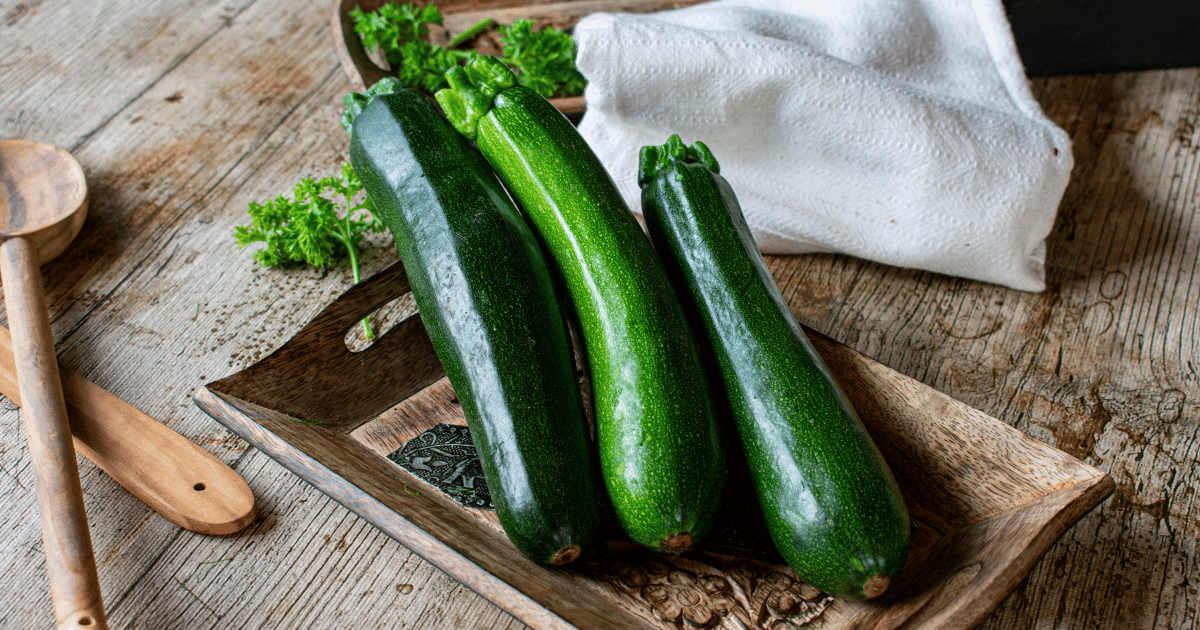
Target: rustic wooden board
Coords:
[[986, 499]]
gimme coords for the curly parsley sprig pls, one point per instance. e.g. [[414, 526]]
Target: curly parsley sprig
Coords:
[[307, 229], [399, 31], [392, 25], [543, 60]]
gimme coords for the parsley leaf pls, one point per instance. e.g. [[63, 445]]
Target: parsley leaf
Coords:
[[545, 59], [425, 65], [399, 31], [308, 229], [393, 25]]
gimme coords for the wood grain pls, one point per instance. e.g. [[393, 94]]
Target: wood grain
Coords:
[[153, 300], [44, 192]]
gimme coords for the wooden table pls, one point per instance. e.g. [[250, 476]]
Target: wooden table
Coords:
[[182, 112]]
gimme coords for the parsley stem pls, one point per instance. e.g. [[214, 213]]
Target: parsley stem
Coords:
[[478, 28], [348, 241]]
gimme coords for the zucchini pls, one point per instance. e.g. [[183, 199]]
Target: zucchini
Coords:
[[830, 501], [485, 295], [660, 450]]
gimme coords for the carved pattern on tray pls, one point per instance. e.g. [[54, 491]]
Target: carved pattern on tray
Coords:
[[445, 457], [699, 590]]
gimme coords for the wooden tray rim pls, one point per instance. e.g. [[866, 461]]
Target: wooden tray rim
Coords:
[[534, 604], [965, 608]]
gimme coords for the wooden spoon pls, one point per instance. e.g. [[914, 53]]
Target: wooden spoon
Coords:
[[40, 213]]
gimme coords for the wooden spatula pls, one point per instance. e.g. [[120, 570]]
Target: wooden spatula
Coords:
[[168, 472]]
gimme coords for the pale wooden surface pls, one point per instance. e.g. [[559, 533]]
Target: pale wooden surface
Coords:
[[182, 112]]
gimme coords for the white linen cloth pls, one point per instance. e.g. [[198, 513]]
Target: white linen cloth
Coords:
[[898, 131]]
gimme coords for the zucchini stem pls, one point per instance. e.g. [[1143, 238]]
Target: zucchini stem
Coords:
[[473, 88], [652, 159]]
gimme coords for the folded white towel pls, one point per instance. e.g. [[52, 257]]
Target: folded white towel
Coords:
[[899, 131]]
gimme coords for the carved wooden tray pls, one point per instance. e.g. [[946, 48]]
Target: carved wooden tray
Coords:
[[987, 501], [460, 15]]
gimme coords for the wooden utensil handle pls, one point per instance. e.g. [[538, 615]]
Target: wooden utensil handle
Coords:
[[70, 562], [168, 472]]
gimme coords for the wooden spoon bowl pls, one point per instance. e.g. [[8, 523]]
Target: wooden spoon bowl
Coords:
[[40, 178]]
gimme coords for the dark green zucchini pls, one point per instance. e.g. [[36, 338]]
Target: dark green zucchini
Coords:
[[485, 295], [830, 501], [660, 449]]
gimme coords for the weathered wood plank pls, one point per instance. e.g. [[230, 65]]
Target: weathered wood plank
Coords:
[[151, 158], [181, 112], [308, 563], [69, 67]]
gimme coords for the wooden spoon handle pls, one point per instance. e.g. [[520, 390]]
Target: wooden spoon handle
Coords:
[[171, 474], [70, 562]]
